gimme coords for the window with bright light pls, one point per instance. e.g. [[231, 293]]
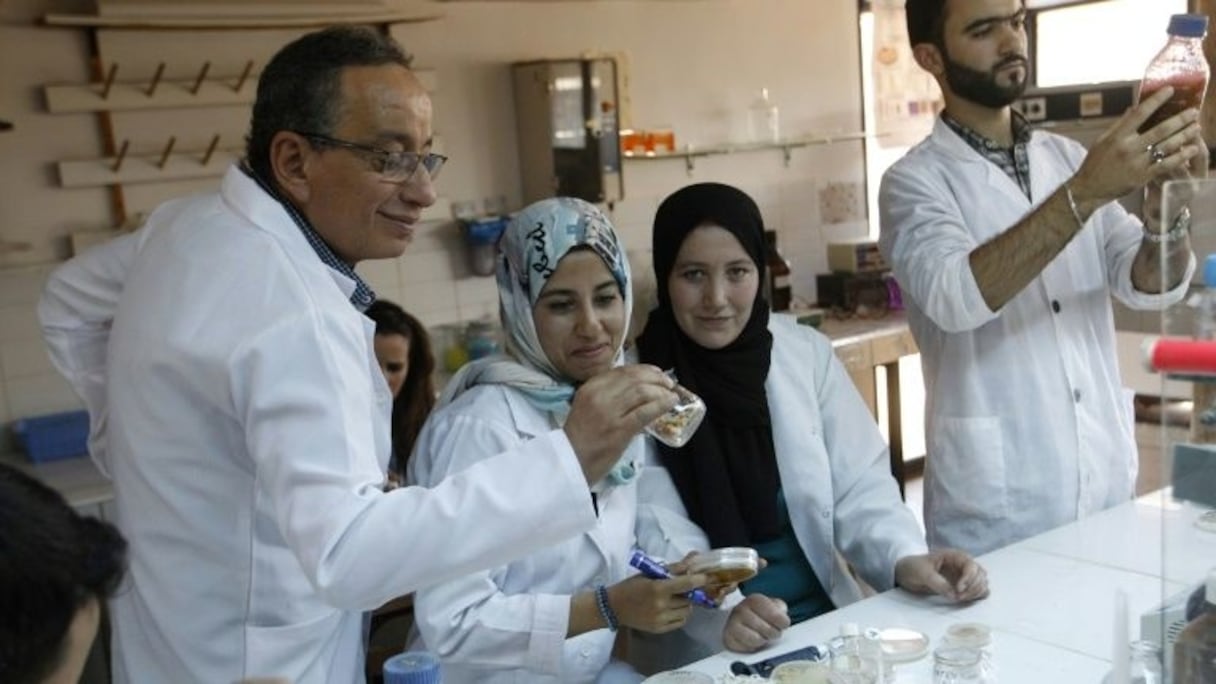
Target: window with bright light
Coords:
[[1095, 42]]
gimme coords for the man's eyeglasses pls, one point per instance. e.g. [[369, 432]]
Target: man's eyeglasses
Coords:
[[393, 167]]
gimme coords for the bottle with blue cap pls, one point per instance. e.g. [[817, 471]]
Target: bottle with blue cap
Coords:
[[413, 667], [1181, 65]]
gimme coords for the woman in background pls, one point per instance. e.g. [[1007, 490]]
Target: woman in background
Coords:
[[57, 568], [788, 460], [403, 349]]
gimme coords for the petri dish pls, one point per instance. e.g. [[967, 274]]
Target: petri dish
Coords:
[[801, 672], [902, 645], [969, 634], [677, 426], [727, 565]]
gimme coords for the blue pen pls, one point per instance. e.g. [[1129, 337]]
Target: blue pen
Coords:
[[655, 570]]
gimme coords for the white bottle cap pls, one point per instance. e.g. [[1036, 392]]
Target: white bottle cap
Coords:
[[849, 629]]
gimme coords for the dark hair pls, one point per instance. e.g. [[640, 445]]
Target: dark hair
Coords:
[[54, 561], [926, 21], [417, 397], [301, 88]]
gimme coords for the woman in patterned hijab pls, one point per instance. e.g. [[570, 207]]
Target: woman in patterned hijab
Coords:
[[550, 616], [535, 241]]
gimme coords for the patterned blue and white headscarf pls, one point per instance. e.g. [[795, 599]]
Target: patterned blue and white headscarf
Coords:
[[536, 239]]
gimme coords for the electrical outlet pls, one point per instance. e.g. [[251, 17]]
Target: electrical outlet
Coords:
[[1091, 104], [1034, 108]]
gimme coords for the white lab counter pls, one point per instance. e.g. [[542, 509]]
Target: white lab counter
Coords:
[[1053, 596]]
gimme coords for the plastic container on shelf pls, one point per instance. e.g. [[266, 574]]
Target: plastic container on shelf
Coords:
[[481, 237], [763, 119], [726, 565], [481, 339], [53, 437]]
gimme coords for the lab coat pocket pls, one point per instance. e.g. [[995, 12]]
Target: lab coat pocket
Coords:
[[289, 650], [968, 463]]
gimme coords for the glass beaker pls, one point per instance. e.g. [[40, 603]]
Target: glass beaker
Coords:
[[854, 661], [959, 665]]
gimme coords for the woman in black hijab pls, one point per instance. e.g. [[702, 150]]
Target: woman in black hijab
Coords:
[[788, 459]]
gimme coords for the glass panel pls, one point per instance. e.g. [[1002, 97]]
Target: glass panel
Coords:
[[569, 120], [1189, 453]]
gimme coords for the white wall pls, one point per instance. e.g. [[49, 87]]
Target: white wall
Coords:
[[694, 65]]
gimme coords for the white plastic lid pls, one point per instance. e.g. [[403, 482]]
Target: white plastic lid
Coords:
[[744, 561], [849, 629], [902, 645]]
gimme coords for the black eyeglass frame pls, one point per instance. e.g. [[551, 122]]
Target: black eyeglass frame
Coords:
[[406, 163]]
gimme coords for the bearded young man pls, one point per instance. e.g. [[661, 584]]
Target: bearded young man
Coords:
[[1008, 244]]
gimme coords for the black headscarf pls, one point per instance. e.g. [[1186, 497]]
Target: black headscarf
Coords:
[[727, 473]]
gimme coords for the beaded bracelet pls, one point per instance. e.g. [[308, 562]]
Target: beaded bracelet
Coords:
[[601, 600]]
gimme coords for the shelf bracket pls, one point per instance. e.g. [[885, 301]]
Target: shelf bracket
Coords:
[[786, 153], [690, 163]]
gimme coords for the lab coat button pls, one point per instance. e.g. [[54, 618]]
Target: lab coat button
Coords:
[[1055, 305], [1076, 395], [586, 653], [826, 514]]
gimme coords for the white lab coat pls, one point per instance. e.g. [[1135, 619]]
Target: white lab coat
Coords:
[[835, 471], [248, 437], [834, 467], [509, 624], [1028, 425]]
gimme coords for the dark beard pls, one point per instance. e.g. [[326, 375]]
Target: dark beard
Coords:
[[981, 87]]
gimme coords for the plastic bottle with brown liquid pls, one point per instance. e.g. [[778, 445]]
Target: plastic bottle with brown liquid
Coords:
[[1179, 64]]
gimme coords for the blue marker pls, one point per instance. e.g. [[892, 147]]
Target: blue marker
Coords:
[[655, 570]]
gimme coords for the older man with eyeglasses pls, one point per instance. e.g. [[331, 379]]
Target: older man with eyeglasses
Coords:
[[239, 409]]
